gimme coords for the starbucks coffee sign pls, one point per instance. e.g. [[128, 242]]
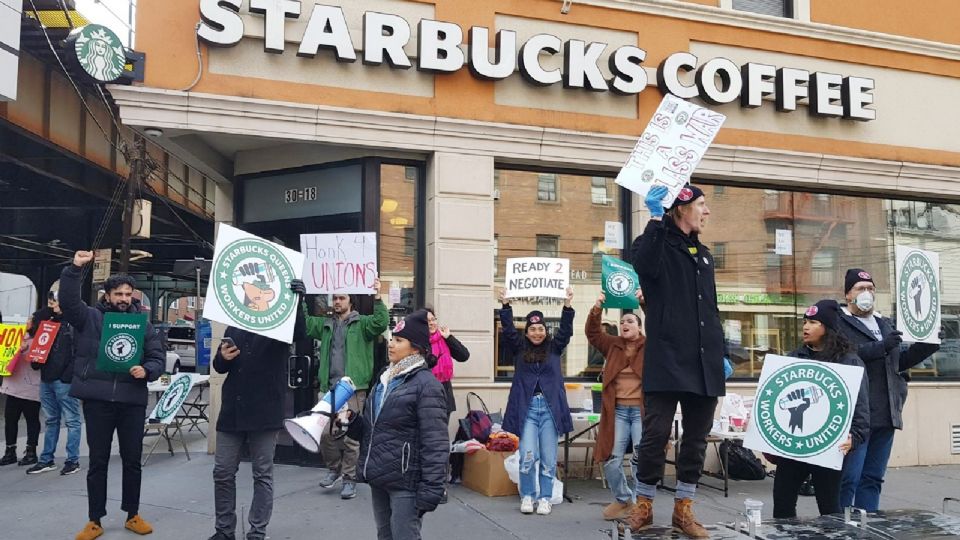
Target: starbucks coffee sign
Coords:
[[445, 47], [918, 294], [97, 51], [804, 409], [250, 284]]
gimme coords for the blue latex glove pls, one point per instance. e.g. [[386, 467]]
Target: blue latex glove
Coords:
[[727, 368], [654, 200]]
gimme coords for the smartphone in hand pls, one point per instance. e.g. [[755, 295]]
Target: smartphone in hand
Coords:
[[228, 341]]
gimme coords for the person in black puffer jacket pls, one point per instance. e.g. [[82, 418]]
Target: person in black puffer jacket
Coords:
[[111, 401], [56, 374], [404, 443], [822, 341]]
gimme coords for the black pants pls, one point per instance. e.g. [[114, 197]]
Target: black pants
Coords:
[[786, 487], [659, 409], [103, 418], [11, 417]]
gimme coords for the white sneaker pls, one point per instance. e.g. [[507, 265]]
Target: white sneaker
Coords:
[[544, 507], [526, 505]]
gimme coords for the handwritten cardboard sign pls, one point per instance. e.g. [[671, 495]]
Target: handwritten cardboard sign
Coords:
[[670, 148], [43, 342], [341, 263], [537, 276]]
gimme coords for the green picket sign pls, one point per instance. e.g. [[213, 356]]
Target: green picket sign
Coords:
[[620, 283], [121, 342]]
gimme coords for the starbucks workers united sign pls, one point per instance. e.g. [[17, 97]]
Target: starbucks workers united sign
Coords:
[[918, 294], [804, 409]]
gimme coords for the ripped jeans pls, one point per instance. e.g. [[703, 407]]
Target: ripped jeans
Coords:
[[627, 430], [538, 442]]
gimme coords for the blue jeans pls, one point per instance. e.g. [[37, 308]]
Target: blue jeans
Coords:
[[56, 402], [538, 442], [628, 427], [863, 471]]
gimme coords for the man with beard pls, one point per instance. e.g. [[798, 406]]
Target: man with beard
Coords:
[[683, 357], [111, 401], [346, 349]]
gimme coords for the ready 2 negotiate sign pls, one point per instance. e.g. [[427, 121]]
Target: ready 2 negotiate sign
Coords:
[[717, 80]]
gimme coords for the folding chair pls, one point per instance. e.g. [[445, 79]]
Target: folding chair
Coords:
[[163, 432]]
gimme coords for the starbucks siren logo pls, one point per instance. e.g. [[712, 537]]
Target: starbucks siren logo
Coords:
[[99, 52], [252, 278], [919, 295], [621, 284], [803, 409], [121, 348]]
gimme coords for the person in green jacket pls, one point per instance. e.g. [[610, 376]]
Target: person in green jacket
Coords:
[[346, 349]]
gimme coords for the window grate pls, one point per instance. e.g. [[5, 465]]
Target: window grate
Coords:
[[955, 438]]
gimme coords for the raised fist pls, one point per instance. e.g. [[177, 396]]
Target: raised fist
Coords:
[[81, 258]]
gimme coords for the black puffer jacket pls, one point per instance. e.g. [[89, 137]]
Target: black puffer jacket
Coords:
[[860, 427], [59, 364], [406, 446], [88, 382], [887, 370]]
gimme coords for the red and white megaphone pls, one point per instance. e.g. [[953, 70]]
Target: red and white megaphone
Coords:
[[307, 428]]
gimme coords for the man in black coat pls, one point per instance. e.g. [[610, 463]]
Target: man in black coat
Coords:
[[251, 414], [111, 401], [880, 346], [684, 350]]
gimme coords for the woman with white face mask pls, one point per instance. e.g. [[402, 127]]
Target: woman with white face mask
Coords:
[[879, 345]]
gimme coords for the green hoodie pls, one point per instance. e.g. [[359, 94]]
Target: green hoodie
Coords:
[[361, 332]]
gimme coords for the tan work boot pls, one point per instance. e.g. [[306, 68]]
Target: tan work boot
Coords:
[[617, 510], [684, 520], [641, 515], [91, 531], [138, 525]]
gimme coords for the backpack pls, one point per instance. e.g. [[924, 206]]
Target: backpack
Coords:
[[742, 463]]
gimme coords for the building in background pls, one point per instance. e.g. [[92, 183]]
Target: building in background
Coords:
[[460, 157]]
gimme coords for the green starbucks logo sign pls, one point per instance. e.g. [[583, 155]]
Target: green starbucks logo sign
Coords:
[[621, 284], [918, 295], [252, 279], [803, 409], [121, 348], [99, 52], [173, 398]]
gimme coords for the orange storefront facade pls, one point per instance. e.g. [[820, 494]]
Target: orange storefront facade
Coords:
[[468, 132]]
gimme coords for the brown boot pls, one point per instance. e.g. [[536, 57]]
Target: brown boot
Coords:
[[617, 510], [641, 515], [91, 531], [138, 525], [684, 520]]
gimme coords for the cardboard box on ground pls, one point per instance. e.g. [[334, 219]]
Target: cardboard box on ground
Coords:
[[483, 472]]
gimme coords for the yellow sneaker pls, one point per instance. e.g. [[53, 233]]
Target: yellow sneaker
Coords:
[[91, 531], [138, 525]]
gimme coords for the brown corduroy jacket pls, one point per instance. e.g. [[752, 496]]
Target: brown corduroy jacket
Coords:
[[614, 350]]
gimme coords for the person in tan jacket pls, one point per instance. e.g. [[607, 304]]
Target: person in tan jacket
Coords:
[[622, 404]]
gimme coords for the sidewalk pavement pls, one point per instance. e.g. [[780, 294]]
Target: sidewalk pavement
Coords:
[[177, 498]]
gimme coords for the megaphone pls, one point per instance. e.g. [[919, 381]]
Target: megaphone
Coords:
[[307, 428]]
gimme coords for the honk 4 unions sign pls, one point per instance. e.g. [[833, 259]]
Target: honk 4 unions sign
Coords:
[[717, 80]]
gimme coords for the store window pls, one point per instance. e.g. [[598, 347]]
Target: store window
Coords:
[[572, 229], [776, 8], [399, 234], [547, 187], [764, 286]]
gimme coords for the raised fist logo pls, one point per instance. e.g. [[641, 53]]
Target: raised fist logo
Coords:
[[801, 402], [916, 291], [257, 292]]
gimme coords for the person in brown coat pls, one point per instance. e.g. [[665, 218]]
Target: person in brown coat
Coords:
[[622, 405]]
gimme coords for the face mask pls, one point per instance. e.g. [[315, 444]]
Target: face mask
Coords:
[[864, 301]]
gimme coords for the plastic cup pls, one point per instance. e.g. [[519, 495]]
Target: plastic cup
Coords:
[[754, 510]]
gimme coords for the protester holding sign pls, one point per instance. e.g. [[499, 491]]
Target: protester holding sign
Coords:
[[346, 349], [111, 401], [887, 359], [822, 341], [22, 388], [251, 417], [621, 414], [684, 350], [56, 375], [537, 408]]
